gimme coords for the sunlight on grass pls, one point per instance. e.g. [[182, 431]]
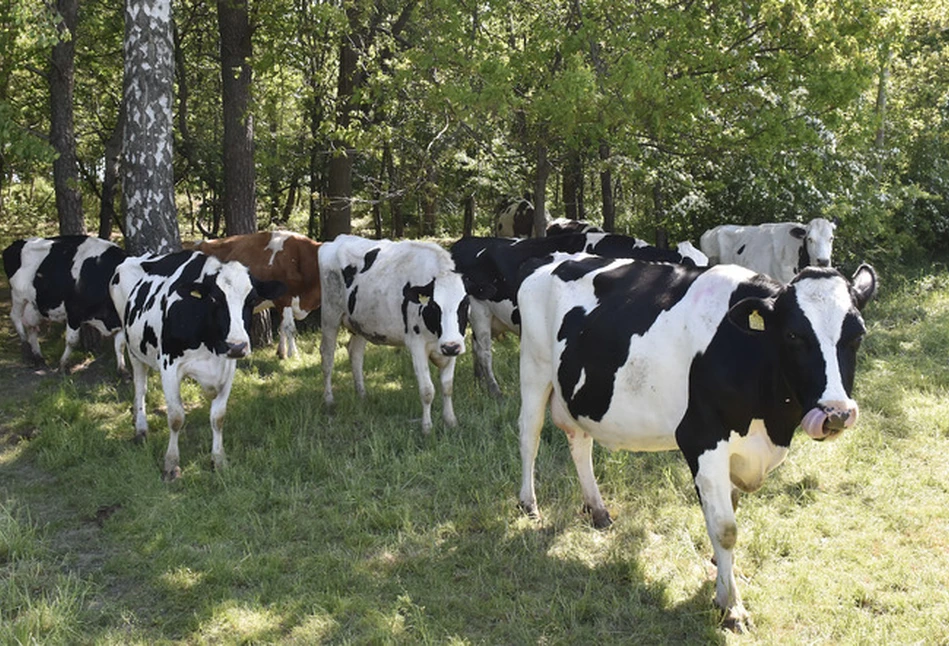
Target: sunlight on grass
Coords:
[[313, 629], [232, 622], [183, 578]]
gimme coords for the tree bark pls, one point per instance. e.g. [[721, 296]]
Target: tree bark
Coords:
[[540, 191], [151, 224], [573, 187], [110, 179], [62, 133], [240, 214], [339, 219], [606, 188], [468, 225]]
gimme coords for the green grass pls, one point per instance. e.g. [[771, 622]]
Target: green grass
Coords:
[[354, 528]]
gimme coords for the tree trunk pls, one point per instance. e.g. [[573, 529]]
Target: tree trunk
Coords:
[[573, 186], [62, 134], [880, 110], [151, 224], [429, 201], [110, 178], [339, 219], [468, 225], [540, 191], [395, 197], [239, 180], [606, 188], [662, 234]]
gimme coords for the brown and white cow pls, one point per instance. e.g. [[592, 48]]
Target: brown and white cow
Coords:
[[289, 257]]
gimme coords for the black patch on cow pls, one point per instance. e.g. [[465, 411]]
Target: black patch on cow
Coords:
[[90, 299], [629, 299], [576, 269], [166, 266], [200, 317], [416, 329], [148, 339], [53, 280], [430, 310], [13, 257], [135, 307], [463, 315], [369, 259], [740, 251], [351, 303], [349, 275], [803, 258]]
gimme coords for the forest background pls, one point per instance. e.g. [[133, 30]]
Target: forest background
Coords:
[[409, 118]]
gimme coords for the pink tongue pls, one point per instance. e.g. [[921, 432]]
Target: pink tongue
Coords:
[[813, 423]]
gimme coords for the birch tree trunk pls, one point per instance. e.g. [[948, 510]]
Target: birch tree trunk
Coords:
[[151, 223], [62, 133]]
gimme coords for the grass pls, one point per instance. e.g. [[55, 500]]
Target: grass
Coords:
[[354, 528]]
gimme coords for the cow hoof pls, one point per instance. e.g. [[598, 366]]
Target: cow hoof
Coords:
[[170, 475], [139, 439], [219, 463], [601, 518], [737, 622], [530, 510]]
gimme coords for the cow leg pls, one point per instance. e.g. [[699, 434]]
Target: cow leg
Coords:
[[72, 340], [171, 385], [581, 450], [287, 346], [426, 389], [713, 483], [140, 379], [119, 345], [480, 319], [357, 355], [446, 375], [327, 358], [530, 422], [26, 322], [218, 409]]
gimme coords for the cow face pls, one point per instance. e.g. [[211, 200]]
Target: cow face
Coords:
[[818, 242], [439, 307], [216, 310], [817, 327]]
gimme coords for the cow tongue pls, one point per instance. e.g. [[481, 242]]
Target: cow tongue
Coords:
[[813, 423]]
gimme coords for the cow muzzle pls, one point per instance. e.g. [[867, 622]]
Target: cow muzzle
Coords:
[[823, 262], [827, 421], [238, 350], [450, 349]]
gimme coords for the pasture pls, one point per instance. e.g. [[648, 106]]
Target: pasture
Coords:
[[353, 527]]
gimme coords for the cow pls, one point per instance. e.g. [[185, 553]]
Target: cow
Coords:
[[394, 293], [515, 217], [687, 250], [65, 278], [289, 257], [779, 249], [561, 226], [721, 363], [490, 270], [186, 314]]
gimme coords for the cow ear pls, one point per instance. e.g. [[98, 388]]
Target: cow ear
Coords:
[[752, 315], [864, 284], [268, 290], [798, 232]]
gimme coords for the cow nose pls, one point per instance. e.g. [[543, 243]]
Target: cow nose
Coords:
[[823, 262], [451, 349], [238, 350], [839, 416]]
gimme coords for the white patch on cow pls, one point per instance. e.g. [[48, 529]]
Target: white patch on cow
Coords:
[[687, 250], [753, 456], [234, 281], [826, 303], [277, 238]]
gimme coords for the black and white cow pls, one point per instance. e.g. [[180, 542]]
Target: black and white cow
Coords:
[[778, 249], [186, 314], [723, 364], [63, 279], [490, 269], [561, 226], [394, 293], [515, 217]]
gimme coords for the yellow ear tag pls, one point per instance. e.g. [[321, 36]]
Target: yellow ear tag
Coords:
[[423, 299], [196, 293], [756, 321]]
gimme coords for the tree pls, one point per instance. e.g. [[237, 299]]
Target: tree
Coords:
[[240, 202], [151, 223], [62, 134]]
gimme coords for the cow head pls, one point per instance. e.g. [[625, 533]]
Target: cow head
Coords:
[[816, 324], [439, 307], [216, 309], [818, 242]]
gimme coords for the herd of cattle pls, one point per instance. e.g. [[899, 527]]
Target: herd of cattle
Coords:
[[635, 347]]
